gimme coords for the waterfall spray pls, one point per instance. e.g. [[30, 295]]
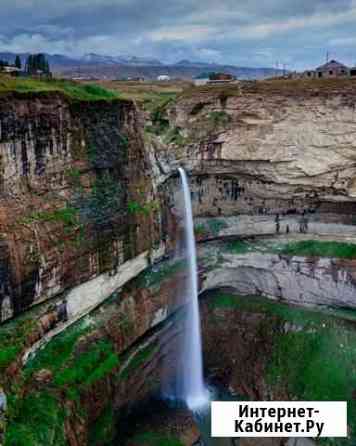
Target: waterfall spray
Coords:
[[193, 391]]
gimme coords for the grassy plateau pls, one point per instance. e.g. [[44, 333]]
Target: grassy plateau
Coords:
[[73, 90]]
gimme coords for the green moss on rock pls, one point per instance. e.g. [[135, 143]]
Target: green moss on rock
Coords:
[[313, 356], [239, 247], [36, 417], [216, 225], [157, 274], [13, 338], [56, 354], [36, 420], [315, 248], [72, 368], [138, 360], [219, 118], [88, 367], [155, 439], [317, 364], [68, 216], [102, 431]]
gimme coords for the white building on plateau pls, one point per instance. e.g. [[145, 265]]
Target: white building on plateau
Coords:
[[202, 81], [163, 77], [11, 70]]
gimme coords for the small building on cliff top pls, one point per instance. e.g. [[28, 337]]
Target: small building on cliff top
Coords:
[[332, 69], [163, 78], [214, 78], [226, 77], [12, 71]]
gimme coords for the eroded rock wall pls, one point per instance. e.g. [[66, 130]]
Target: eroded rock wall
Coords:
[[268, 150], [305, 281], [98, 368], [77, 199]]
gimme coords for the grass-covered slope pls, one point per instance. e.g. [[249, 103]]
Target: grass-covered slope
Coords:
[[36, 412], [314, 248], [73, 90], [303, 248], [151, 96], [314, 354]]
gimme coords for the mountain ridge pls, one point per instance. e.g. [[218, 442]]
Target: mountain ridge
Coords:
[[93, 65]]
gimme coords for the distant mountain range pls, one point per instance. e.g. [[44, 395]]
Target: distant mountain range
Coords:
[[90, 58], [98, 66], [93, 58]]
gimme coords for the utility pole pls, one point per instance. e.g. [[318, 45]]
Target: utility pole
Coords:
[[327, 56]]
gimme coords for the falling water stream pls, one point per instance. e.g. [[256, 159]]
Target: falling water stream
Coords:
[[188, 387], [193, 390]]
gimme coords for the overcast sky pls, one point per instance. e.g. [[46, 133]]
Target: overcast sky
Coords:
[[241, 32]]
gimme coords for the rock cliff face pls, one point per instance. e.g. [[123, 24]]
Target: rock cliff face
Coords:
[[298, 280], [265, 149], [79, 218], [98, 368], [76, 201]]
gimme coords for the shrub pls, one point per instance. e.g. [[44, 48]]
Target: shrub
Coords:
[[219, 118], [68, 216], [174, 136], [216, 225], [159, 121], [134, 207], [200, 230]]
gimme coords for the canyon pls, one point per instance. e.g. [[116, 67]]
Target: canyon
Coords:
[[91, 306]]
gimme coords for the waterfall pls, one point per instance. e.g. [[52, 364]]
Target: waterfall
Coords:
[[192, 388]]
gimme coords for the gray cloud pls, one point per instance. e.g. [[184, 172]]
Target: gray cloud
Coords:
[[249, 32]]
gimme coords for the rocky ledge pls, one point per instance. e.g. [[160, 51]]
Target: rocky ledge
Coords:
[[266, 268]]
